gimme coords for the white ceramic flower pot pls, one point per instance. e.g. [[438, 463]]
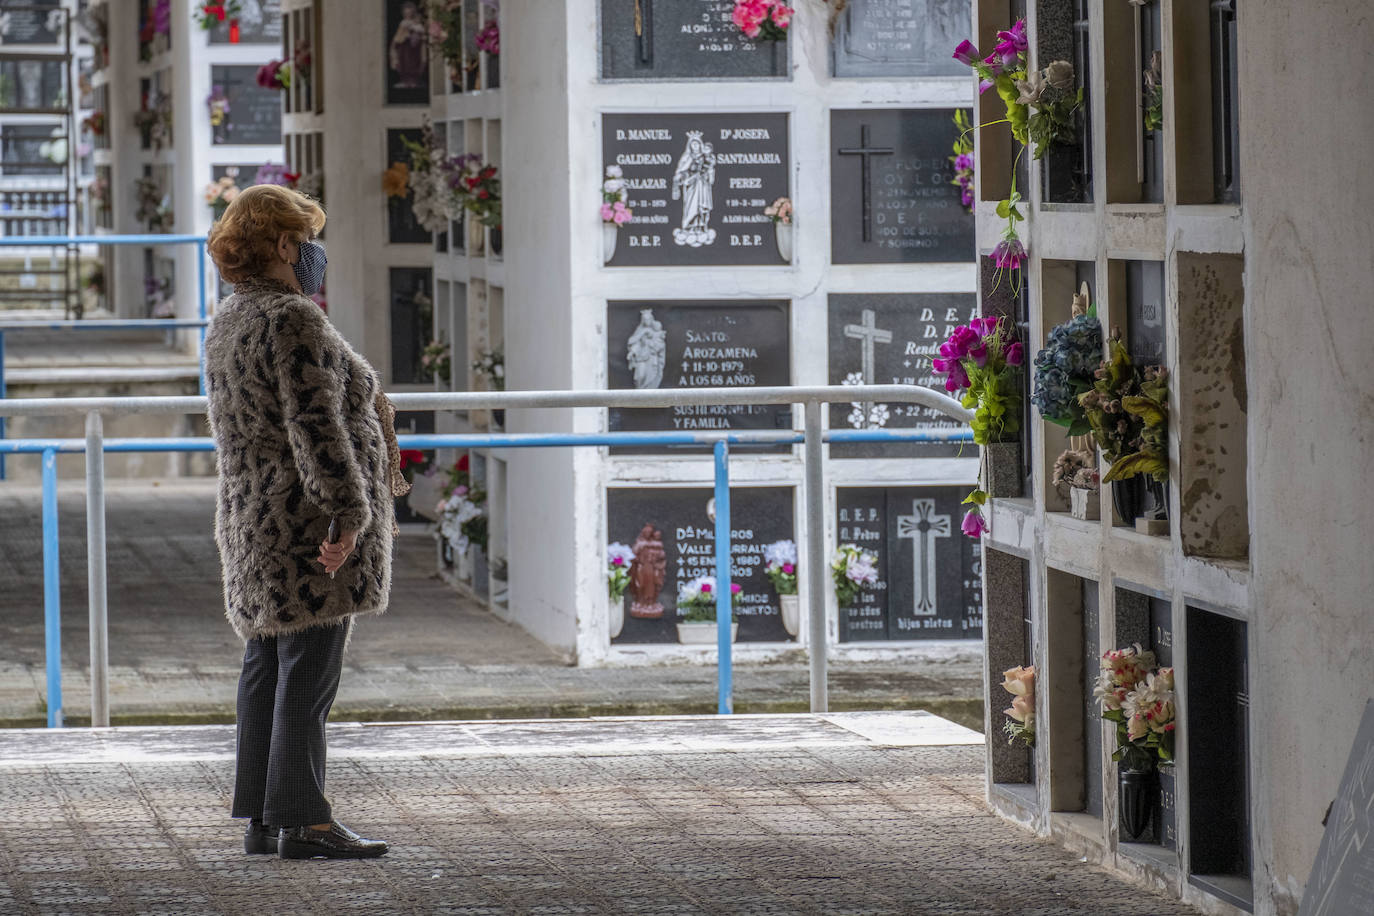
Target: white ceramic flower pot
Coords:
[[784, 239], [462, 560], [702, 633], [615, 615], [610, 236], [791, 613], [1084, 504], [477, 237]]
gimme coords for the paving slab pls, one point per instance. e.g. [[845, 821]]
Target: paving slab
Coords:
[[433, 655], [715, 815]]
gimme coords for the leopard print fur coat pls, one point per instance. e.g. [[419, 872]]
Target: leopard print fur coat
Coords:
[[299, 442]]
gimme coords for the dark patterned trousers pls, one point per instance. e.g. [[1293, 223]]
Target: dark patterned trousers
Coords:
[[285, 693]]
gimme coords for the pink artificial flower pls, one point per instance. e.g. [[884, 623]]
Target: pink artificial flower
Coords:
[[782, 16], [618, 205], [960, 342], [788, 568], [1014, 354], [979, 353], [985, 326], [1009, 253], [736, 588], [974, 524], [1011, 45], [957, 378], [460, 490], [966, 53], [606, 211], [621, 217], [985, 85]]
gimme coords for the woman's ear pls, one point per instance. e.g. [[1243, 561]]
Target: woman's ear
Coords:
[[284, 247]]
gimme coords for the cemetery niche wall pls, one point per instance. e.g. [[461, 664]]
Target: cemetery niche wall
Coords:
[[930, 574], [254, 113], [888, 339], [682, 39], [698, 344], [891, 200], [897, 38], [672, 529], [698, 185], [258, 21]]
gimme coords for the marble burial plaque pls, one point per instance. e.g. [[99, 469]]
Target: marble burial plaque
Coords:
[[929, 573], [889, 339], [402, 227], [254, 112], [32, 85], [259, 23], [698, 185], [887, 38], [1145, 334], [681, 515], [682, 39], [698, 344], [890, 194], [33, 26], [412, 317]]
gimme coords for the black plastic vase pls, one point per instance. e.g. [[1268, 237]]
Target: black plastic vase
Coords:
[[1128, 496], [1135, 796]]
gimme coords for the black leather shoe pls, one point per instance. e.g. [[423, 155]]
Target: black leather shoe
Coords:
[[260, 839], [338, 842]]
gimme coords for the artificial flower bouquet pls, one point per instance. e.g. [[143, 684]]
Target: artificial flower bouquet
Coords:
[[1139, 698], [475, 188], [618, 559], [696, 600], [493, 365], [780, 566], [1020, 722], [779, 211], [220, 194], [1128, 412], [961, 160], [852, 570], [436, 360], [463, 517], [615, 198], [209, 15], [982, 360], [1075, 469], [765, 19], [1065, 369]]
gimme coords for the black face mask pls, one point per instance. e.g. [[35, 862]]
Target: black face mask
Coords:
[[309, 267]]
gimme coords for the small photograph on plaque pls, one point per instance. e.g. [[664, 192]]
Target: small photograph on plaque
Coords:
[[930, 574], [672, 532], [889, 339], [698, 344], [891, 199], [253, 116], [683, 40], [899, 38], [698, 185], [407, 53]]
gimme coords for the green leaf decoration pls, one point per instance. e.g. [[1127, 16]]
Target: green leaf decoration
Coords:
[[977, 498], [1138, 463], [1146, 408]]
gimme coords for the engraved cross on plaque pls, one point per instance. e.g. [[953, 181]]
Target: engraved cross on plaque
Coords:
[[869, 335], [923, 526], [867, 153]]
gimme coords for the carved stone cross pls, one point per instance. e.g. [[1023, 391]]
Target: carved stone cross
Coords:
[[923, 526], [867, 153]]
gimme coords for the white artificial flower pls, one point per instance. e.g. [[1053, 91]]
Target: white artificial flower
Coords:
[[614, 171], [780, 553], [614, 185]]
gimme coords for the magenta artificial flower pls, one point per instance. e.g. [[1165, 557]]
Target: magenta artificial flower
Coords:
[[1011, 45], [782, 16], [706, 588], [960, 342], [1014, 354], [618, 561], [788, 568], [979, 353], [956, 377], [985, 85], [974, 524], [966, 196], [966, 53], [963, 161], [1009, 253], [736, 588]]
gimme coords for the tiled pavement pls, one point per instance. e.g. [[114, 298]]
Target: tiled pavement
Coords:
[[799, 814], [432, 655]]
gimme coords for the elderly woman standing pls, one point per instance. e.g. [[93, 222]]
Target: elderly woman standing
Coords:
[[304, 438]]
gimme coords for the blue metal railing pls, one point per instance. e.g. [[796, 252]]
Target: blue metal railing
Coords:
[[719, 442], [139, 324]]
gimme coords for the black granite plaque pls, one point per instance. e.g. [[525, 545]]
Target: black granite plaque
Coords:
[[407, 54], [254, 112], [888, 339], [1145, 334], [890, 194], [412, 321], [1162, 645], [682, 39], [894, 38], [698, 344], [929, 581], [698, 185], [402, 227], [259, 23], [759, 516], [1092, 712], [1342, 878], [33, 26], [32, 85]]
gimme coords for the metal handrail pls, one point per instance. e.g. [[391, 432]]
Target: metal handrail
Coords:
[[811, 437]]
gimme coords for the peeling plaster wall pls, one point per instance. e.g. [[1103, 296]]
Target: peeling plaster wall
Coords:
[[1306, 129]]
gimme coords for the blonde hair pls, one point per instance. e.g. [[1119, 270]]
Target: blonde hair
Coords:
[[244, 240]]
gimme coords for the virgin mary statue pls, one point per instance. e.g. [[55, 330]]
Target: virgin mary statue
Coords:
[[692, 181]]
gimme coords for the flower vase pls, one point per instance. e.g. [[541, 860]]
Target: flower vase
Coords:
[[1084, 504], [610, 235], [481, 574], [702, 633], [1135, 799], [463, 564], [615, 615], [791, 613], [784, 240], [1127, 497], [477, 237], [497, 242], [1002, 469]]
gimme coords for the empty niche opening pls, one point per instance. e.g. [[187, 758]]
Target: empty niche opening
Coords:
[[1213, 499], [994, 147], [1010, 642], [1075, 747], [1134, 61], [1217, 729], [1060, 282], [1145, 618], [1206, 99], [1061, 33], [1140, 502]]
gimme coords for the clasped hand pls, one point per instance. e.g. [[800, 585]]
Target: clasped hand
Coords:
[[332, 556]]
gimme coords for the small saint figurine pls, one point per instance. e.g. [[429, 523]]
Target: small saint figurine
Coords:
[[648, 572]]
